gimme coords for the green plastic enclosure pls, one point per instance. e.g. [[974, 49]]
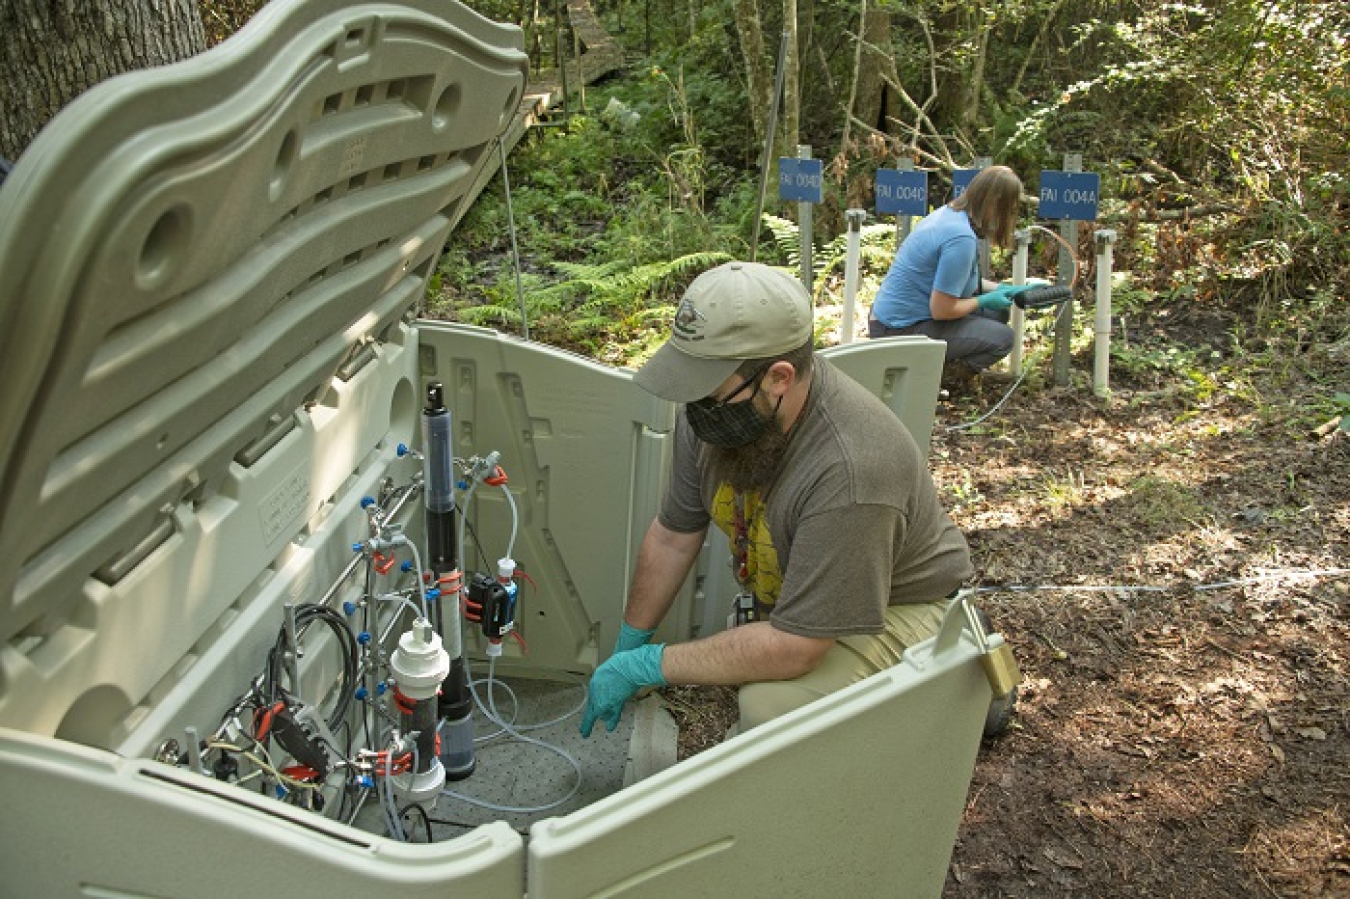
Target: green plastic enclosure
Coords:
[[211, 354]]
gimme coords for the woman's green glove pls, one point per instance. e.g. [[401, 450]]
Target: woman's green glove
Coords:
[[996, 300], [615, 682]]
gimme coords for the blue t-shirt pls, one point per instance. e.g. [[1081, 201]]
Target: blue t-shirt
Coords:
[[938, 254]]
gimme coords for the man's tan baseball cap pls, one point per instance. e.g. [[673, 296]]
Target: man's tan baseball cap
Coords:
[[735, 312]]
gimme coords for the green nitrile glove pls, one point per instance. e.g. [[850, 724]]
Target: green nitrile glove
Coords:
[[632, 637], [615, 682], [995, 300]]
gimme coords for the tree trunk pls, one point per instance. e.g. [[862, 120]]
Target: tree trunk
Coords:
[[970, 110], [855, 82], [878, 66], [53, 50], [792, 83], [758, 77]]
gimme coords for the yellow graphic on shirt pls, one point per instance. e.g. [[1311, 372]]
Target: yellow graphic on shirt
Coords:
[[762, 575]]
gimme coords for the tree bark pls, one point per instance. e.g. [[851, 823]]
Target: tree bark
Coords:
[[53, 50], [879, 45], [757, 74], [792, 82], [982, 24], [855, 82], [877, 65]]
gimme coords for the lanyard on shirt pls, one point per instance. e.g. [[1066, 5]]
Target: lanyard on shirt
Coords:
[[741, 542], [744, 606]]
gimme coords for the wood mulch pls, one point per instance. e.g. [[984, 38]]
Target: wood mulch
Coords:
[[1184, 725]]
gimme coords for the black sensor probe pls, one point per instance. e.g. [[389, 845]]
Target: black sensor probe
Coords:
[[1042, 296]]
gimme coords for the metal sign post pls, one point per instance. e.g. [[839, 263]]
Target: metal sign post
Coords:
[[803, 180], [1071, 196], [805, 229]]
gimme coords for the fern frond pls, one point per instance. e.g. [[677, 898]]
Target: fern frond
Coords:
[[486, 315], [786, 236], [595, 278], [586, 325], [654, 313]]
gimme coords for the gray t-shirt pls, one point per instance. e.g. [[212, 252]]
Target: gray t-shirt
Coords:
[[851, 525]]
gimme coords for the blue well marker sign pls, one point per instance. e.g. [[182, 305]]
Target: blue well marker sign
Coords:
[[801, 179], [902, 193], [1069, 195], [961, 179]]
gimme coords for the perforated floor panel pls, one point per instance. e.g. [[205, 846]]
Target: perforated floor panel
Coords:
[[521, 781]]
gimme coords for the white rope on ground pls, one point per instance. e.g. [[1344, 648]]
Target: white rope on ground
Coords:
[[1200, 588]]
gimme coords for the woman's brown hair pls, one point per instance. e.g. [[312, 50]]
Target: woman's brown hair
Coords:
[[991, 201]]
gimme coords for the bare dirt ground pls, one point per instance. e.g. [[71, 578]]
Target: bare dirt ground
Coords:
[[1186, 733], [1183, 729]]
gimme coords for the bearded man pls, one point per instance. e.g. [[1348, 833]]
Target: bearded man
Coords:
[[842, 550]]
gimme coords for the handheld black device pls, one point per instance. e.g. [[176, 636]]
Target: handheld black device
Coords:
[[1042, 296]]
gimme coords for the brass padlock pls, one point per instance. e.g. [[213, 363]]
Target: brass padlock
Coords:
[[996, 657], [1000, 666]]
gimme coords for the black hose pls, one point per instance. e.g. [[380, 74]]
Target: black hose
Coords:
[[306, 615], [426, 819]]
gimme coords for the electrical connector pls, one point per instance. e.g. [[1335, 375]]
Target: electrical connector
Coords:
[[226, 766]]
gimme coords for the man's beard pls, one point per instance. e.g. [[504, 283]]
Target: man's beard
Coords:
[[755, 465]]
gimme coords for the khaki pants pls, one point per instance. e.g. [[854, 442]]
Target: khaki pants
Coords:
[[850, 660]]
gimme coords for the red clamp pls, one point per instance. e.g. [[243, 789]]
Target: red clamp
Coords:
[[473, 611], [382, 563], [404, 704], [262, 720], [450, 582], [301, 773], [498, 478]]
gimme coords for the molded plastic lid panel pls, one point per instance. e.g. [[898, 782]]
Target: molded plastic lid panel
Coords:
[[585, 452], [904, 372], [856, 794], [97, 825], [197, 253]]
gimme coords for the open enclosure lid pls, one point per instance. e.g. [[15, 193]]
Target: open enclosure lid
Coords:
[[193, 252]]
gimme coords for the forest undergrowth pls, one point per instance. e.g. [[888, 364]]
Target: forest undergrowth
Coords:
[[1170, 559]]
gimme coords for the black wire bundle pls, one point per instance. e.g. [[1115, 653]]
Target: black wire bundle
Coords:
[[422, 813], [305, 615]]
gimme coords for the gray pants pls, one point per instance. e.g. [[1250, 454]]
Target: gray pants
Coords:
[[979, 340]]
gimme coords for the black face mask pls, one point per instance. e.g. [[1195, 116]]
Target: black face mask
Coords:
[[726, 424]]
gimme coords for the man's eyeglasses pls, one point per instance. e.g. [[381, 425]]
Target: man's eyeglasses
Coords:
[[711, 403]]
